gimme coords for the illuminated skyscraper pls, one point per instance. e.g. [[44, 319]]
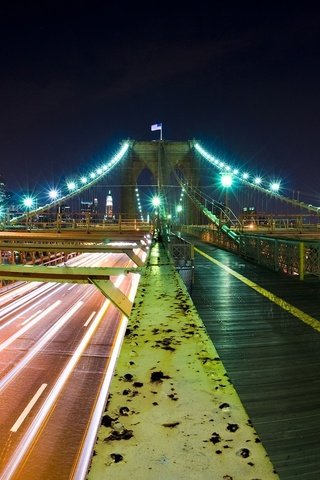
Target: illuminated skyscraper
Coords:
[[3, 198], [109, 206]]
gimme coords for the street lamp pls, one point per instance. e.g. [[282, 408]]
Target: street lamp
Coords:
[[28, 203], [275, 186], [71, 186], [156, 201], [53, 194], [226, 182]]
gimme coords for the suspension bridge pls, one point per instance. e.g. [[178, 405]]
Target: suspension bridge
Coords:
[[179, 168], [217, 372]]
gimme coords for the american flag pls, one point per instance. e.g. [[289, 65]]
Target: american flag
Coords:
[[156, 126]]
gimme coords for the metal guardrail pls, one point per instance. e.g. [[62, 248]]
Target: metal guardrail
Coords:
[[210, 234], [293, 257], [299, 258], [120, 225], [182, 255]]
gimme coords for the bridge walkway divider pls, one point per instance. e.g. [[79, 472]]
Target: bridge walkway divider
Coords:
[[172, 411]]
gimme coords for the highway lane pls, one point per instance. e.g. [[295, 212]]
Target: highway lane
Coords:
[[47, 403]]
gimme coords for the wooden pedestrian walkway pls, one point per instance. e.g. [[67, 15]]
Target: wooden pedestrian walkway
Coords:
[[265, 328]]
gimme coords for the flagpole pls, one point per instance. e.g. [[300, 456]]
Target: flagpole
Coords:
[[157, 126]]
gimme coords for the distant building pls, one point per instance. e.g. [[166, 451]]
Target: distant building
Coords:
[[3, 198], [109, 206], [86, 206]]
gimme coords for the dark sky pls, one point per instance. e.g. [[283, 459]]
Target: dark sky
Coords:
[[77, 77]]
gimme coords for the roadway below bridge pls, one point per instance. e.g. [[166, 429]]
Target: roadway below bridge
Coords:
[[58, 346]]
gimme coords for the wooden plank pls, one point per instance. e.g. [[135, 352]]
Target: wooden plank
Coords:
[[271, 357]]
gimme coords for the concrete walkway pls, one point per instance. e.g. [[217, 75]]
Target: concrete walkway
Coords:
[[172, 411]]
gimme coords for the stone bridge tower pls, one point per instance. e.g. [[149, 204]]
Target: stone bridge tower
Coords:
[[162, 158]]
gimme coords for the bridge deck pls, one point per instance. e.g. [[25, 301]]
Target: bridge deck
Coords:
[[172, 412], [271, 351]]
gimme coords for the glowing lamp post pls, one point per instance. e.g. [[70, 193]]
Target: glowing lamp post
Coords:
[[156, 202], [226, 182], [53, 194], [179, 217], [28, 203], [274, 187], [71, 186]]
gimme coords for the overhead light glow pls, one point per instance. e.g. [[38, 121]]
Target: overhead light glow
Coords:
[[28, 202], [156, 201], [226, 180], [275, 186], [71, 186], [53, 194]]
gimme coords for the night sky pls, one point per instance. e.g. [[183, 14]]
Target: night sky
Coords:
[[77, 77]]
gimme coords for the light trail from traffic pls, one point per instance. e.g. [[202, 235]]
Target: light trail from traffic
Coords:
[[85, 452], [37, 425], [56, 354]]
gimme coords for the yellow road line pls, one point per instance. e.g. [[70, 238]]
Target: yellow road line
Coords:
[[304, 317]]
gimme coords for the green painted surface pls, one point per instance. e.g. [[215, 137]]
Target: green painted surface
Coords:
[[172, 411]]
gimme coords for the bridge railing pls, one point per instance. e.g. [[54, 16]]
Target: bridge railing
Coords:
[[293, 257], [300, 258], [119, 224], [210, 233], [266, 222], [275, 254], [182, 254]]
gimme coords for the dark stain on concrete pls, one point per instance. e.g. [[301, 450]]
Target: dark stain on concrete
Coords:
[[158, 376]]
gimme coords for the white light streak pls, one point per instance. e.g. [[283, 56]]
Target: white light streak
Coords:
[[18, 303], [89, 319], [30, 318], [18, 292], [28, 408], [37, 423], [86, 451], [22, 330], [134, 286], [40, 344], [31, 297]]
